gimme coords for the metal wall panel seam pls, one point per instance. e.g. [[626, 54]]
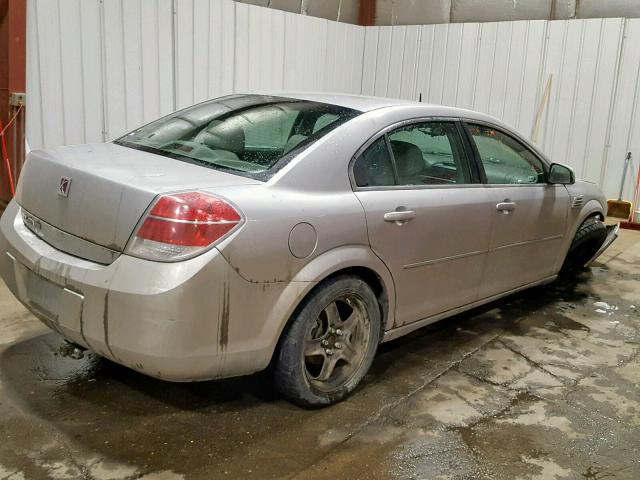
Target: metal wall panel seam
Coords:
[[386, 85], [542, 68], [142, 69], [193, 53], [174, 61], [432, 72], [614, 102], [103, 62], [417, 60], [455, 97], [92, 70], [506, 80], [477, 64], [40, 76], [522, 74], [64, 123], [433, 39], [576, 88], [323, 46], [554, 118], [404, 47], [444, 62], [235, 44], [124, 68], [208, 48], [493, 67], [593, 93], [158, 62], [375, 65], [82, 80], [284, 52], [364, 45]]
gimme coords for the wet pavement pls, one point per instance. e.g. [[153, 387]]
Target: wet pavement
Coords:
[[541, 385]]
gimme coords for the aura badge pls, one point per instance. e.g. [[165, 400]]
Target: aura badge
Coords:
[[64, 187]]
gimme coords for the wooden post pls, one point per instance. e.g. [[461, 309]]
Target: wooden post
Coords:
[[543, 103]]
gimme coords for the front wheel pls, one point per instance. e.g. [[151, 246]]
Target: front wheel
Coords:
[[589, 238], [330, 344]]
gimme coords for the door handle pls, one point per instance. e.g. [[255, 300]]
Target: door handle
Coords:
[[400, 217], [506, 207]]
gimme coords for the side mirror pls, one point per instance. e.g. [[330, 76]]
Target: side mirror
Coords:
[[561, 175]]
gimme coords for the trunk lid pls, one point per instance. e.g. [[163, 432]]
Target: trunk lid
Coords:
[[109, 189]]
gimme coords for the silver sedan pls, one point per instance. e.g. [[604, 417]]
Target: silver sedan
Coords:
[[290, 231]]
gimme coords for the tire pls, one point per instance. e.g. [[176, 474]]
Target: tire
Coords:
[[330, 344], [589, 237]]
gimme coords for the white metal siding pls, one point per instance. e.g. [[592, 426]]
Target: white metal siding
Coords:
[[96, 69], [593, 113]]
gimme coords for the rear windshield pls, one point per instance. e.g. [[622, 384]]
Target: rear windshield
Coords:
[[250, 135]]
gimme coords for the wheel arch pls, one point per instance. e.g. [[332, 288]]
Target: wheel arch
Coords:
[[358, 261], [592, 208], [371, 278]]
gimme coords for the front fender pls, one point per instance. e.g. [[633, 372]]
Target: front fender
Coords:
[[589, 209], [575, 219]]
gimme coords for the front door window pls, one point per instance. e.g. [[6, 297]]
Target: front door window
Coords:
[[504, 159]]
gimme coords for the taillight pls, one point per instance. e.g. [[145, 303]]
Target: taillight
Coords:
[[183, 225]]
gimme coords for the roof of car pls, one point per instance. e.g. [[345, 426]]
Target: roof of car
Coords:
[[356, 102], [365, 103]]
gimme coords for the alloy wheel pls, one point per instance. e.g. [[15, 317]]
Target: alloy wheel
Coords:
[[335, 345]]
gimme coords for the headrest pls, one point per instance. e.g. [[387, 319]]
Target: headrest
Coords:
[[409, 160], [293, 142], [221, 135]]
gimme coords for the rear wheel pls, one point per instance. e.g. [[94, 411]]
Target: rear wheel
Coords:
[[589, 237], [330, 344]]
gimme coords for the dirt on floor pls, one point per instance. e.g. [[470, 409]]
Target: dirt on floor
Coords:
[[541, 385]]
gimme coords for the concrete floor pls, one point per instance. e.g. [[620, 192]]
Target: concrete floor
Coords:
[[543, 384]]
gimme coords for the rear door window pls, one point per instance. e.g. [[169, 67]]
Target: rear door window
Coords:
[[374, 168], [429, 153], [426, 153]]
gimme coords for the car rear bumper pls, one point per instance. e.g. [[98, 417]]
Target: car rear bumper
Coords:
[[184, 321]]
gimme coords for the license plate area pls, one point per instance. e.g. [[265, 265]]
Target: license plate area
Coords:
[[43, 295], [57, 304]]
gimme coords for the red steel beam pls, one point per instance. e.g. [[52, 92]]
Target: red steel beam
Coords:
[[13, 29], [17, 45], [367, 12]]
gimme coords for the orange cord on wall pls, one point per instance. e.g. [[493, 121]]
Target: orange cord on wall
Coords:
[[13, 119], [5, 156]]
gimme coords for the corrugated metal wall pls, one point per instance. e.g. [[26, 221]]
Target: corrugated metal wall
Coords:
[[592, 115], [99, 68], [96, 69]]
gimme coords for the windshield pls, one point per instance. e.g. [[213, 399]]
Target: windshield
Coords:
[[251, 135]]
